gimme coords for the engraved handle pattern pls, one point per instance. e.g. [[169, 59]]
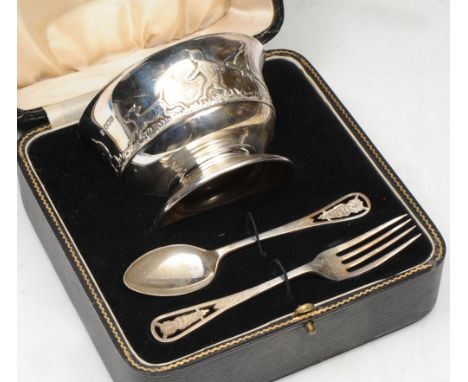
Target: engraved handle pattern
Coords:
[[348, 207], [175, 325]]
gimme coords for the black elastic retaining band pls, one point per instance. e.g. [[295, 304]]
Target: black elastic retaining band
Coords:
[[257, 238], [274, 262]]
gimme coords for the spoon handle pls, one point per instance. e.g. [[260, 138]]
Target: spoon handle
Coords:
[[173, 326], [348, 207]]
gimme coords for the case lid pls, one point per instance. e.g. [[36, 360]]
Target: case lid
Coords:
[[70, 49]]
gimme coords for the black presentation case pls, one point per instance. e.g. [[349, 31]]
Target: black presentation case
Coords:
[[92, 228]]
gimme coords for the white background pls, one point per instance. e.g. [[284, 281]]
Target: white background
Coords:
[[388, 62]]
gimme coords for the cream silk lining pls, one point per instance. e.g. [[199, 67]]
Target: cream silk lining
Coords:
[[70, 49]]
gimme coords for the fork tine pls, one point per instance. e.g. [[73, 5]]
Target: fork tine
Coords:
[[357, 251], [383, 259], [377, 250], [357, 240]]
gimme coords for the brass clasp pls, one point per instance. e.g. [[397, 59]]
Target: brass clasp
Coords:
[[303, 309]]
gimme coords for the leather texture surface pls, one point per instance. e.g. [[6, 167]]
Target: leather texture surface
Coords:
[[29, 119]]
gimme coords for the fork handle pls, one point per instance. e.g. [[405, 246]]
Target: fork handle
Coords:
[[173, 326], [348, 207]]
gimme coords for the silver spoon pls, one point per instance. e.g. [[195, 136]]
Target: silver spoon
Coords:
[[179, 269]]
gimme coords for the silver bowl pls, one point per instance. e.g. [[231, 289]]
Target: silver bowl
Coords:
[[191, 122]]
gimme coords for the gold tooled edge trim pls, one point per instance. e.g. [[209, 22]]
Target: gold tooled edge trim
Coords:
[[110, 321]]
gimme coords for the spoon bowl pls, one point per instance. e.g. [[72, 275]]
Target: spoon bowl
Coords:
[[172, 270]]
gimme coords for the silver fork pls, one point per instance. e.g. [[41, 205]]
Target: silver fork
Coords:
[[334, 264]]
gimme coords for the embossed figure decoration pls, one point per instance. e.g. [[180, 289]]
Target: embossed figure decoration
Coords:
[[184, 89], [342, 210], [210, 71], [188, 122]]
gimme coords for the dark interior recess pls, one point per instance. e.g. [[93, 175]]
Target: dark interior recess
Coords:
[[112, 226]]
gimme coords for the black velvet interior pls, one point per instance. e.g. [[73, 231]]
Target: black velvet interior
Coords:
[[112, 226]]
